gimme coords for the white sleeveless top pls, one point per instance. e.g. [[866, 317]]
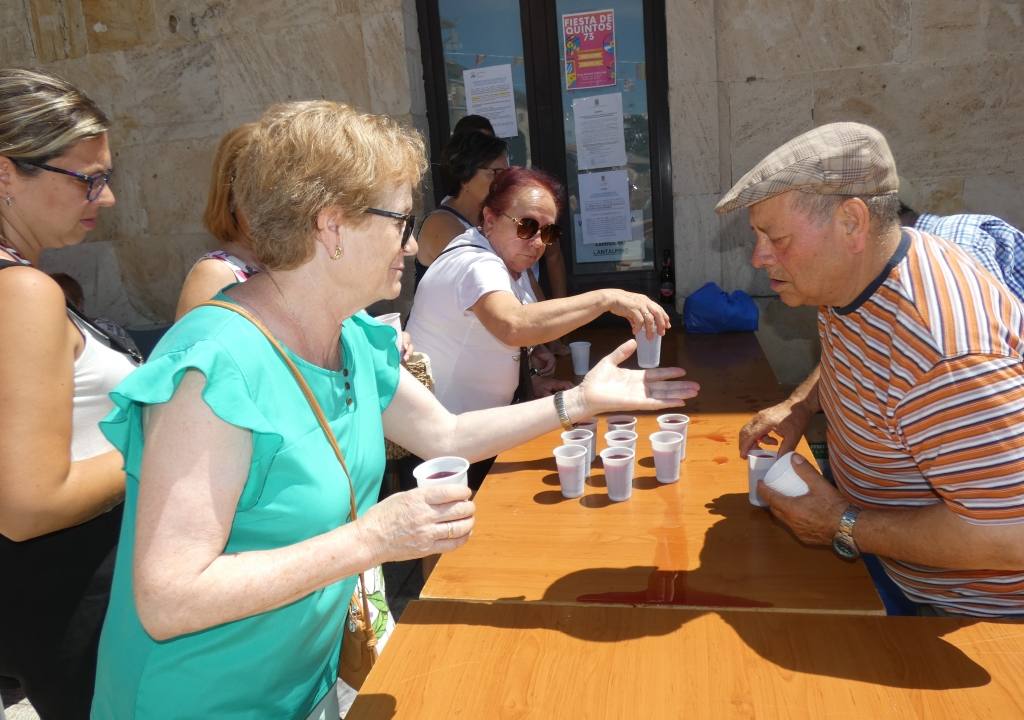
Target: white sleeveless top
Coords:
[[98, 370]]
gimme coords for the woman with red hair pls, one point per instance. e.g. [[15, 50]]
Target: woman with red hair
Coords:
[[474, 309]]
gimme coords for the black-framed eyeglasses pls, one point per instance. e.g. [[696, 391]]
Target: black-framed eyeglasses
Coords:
[[408, 218], [527, 229], [94, 183], [495, 171]]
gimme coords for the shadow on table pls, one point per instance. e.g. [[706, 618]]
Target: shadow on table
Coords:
[[643, 479], [378, 706], [894, 651], [901, 652]]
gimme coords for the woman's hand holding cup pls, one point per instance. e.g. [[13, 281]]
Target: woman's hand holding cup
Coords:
[[420, 522]]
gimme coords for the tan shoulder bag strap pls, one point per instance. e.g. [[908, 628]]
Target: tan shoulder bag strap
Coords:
[[315, 407]]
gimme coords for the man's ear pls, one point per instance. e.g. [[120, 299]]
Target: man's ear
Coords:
[[853, 220]]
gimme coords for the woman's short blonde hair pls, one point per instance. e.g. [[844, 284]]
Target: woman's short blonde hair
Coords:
[[220, 216], [304, 157], [42, 116]]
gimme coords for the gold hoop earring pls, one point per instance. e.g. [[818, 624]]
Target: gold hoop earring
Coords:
[[337, 253]]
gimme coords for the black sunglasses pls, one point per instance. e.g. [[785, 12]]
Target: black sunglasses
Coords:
[[527, 228], [408, 218], [94, 184]]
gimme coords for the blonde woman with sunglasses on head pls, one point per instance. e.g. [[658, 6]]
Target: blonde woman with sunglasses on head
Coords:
[[474, 308], [59, 477]]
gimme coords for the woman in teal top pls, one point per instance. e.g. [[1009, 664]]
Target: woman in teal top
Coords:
[[238, 555]]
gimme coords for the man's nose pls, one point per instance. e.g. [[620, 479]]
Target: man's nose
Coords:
[[762, 255]]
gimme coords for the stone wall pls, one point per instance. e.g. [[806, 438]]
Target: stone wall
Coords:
[[943, 79], [174, 75]]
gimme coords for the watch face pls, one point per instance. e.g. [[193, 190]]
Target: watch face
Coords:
[[844, 549]]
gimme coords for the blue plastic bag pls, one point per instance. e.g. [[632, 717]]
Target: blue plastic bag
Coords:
[[712, 310]]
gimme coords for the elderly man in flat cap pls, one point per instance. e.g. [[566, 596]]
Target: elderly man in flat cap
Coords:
[[921, 378]]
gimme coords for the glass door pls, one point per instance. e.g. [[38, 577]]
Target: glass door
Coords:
[[482, 50], [607, 139], [586, 98]]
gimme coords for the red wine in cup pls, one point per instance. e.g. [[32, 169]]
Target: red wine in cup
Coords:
[[440, 474], [671, 422], [617, 456]]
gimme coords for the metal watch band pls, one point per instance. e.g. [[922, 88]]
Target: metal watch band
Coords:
[[563, 416], [843, 542]]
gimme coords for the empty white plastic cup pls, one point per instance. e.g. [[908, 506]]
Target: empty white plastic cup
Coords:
[[782, 478], [580, 357], [621, 438], [621, 422], [667, 447], [758, 462], [572, 469], [395, 321], [580, 436], [447, 470], [618, 472], [591, 425], [648, 352]]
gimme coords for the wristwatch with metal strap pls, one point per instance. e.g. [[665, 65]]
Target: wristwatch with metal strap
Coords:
[[842, 541]]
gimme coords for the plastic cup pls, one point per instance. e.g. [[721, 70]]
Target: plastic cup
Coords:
[[591, 425], [580, 357], [782, 478], [618, 472], [447, 470], [395, 321], [675, 422], [580, 436], [668, 454], [621, 438], [572, 469], [648, 352], [621, 422], [758, 462]]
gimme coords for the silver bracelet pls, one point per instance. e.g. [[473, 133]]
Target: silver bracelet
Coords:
[[563, 416]]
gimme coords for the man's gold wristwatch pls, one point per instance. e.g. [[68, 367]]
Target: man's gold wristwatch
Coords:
[[842, 541]]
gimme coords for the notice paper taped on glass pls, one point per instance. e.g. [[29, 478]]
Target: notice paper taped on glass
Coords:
[[489, 93], [604, 206], [600, 138]]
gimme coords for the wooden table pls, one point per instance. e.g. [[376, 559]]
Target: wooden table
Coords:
[[478, 660], [696, 543]]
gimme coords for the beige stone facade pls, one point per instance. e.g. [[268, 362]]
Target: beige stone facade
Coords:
[[943, 79], [174, 75]]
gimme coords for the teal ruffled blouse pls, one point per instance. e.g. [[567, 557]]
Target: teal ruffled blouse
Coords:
[[280, 663]]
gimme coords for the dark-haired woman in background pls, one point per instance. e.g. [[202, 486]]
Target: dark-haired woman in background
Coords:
[[469, 163]]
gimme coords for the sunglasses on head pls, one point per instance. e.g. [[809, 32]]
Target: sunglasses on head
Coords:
[[527, 229]]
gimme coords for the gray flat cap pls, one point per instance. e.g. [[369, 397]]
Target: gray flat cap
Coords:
[[836, 159]]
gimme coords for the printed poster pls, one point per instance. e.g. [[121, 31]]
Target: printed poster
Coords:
[[600, 136], [489, 93], [589, 42]]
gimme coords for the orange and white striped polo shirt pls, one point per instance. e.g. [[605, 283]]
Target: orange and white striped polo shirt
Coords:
[[923, 387]]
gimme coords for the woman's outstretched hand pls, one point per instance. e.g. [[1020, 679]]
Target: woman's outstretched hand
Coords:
[[608, 387]]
